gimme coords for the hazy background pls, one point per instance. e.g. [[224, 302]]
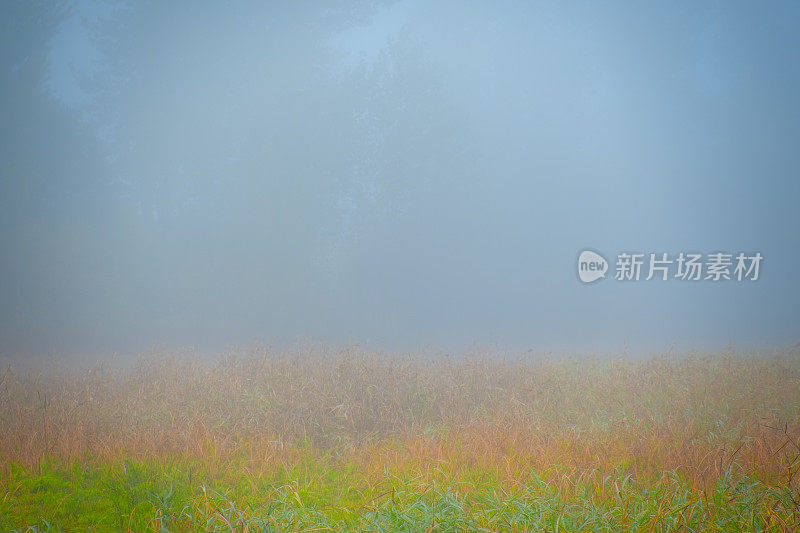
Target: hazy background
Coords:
[[400, 174]]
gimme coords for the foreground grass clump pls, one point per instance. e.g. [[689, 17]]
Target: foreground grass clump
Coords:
[[316, 440]]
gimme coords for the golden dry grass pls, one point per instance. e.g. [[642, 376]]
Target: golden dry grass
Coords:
[[481, 417], [694, 415]]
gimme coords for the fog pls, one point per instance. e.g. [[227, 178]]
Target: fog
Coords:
[[398, 174]]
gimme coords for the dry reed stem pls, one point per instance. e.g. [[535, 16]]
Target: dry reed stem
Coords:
[[697, 416]]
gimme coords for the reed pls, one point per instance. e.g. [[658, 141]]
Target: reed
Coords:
[[342, 439]]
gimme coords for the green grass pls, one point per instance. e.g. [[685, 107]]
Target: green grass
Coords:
[[172, 496], [367, 442]]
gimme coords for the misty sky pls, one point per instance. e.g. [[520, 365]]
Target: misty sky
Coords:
[[399, 174]]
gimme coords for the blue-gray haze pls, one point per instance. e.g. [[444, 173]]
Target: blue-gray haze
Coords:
[[399, 174]]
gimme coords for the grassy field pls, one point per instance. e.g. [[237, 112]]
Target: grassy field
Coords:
[[325, 440]]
